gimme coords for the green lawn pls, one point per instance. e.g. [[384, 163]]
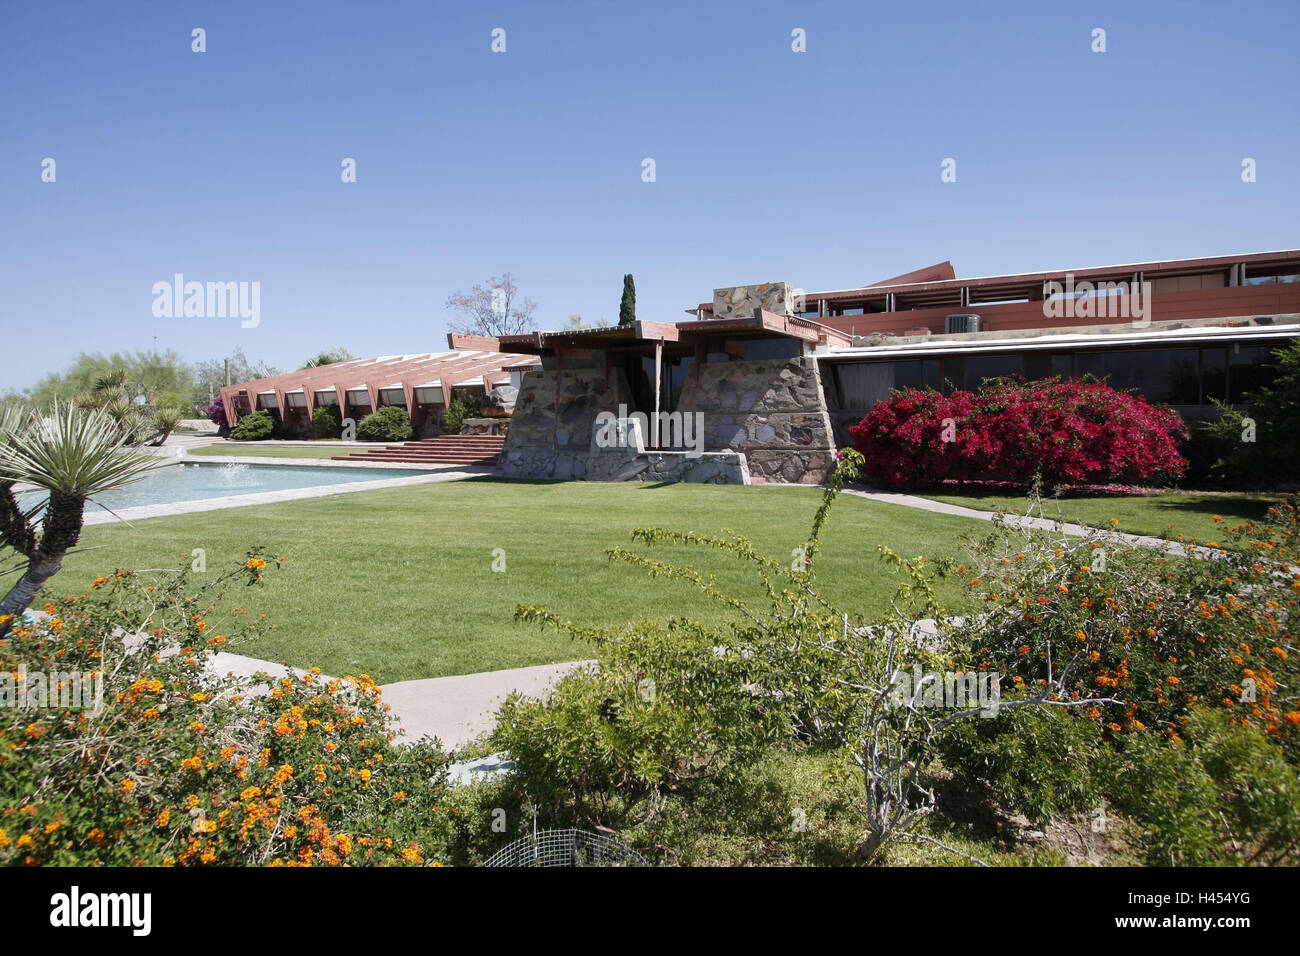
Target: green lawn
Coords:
[[256, 450], [399, 583], [1162, 515]]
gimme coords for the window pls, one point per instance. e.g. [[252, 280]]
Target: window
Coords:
[[1247, 370], [981, 367], [1214, 375]]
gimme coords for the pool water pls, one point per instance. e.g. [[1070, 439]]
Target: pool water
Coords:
[[191, 481]]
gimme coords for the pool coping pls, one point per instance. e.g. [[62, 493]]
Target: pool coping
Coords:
[[139, 512]]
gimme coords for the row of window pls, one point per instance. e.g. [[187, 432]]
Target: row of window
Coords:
[[1180, 376]]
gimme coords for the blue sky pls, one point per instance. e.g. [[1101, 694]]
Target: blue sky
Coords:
[[820, 168]]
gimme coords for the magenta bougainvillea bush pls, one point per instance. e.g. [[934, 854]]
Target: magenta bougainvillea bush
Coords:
[[1064, 431]]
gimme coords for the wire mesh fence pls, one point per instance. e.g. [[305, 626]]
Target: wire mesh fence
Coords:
[[566, 848]]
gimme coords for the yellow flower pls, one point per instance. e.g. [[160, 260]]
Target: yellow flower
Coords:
[[128, 785]]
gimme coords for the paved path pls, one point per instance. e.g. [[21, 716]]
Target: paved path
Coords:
[[1028, 521], [454, 709], [458, 709]]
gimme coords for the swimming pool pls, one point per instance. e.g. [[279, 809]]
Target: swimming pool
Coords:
[[192, 481]]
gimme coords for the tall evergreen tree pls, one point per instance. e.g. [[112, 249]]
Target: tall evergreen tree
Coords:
[[627, 308]]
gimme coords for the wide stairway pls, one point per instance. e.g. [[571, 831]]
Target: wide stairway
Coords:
[[443, 450]]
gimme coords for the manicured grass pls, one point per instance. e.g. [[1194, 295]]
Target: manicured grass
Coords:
[[255, 450], [1161, 515], [399, 583]]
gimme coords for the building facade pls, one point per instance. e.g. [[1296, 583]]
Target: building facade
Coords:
[[763, 382], [766, 379]]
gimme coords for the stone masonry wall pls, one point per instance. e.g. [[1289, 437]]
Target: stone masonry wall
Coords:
[[740, 301], [771, 410], [553, 417], [763, 420]]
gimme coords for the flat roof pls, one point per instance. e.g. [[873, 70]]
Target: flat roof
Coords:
[[1193, 335], [1157, 268]]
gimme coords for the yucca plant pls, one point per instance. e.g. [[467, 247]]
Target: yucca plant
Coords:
[[74, 455]]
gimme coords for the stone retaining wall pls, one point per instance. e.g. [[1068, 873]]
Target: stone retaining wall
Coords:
[[771, 410], [763, 420]]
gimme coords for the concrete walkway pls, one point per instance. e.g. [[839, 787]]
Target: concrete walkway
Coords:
[[1028, 521], [454, 709], [458, 709]]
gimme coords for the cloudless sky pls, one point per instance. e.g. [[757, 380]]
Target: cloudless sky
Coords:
[[819, 168]]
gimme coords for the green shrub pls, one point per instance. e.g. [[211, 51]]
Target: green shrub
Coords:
[[666, 709], [1039, 761], [326, 422], [457, 412], [1226, 794], [389, 423], [258, 426], [181, 765]]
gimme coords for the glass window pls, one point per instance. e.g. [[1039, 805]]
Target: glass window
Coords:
[[1063, 365], [1183, 384], [1126, 370], [932, 374], [1214, 375], [1247, 370], [863, 384], [1038, 365], [1088, 363], [981, 367]]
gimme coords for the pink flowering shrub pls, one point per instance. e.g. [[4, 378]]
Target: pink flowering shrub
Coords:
[[1065, 431]]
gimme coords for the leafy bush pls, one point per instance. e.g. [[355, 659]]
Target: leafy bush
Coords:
[[389, 423], [181, 766], [457, 412], [326, 422], [1041, 762], [1059, 431], [665, 709], [257, 426], [1258, 447], [1225, 794]]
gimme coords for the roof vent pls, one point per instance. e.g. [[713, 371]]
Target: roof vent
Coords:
[[962, 322]]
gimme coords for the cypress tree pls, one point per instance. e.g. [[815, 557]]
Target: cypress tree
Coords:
[[627, 308]]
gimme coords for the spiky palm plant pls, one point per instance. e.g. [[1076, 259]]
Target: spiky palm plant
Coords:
[[163, 420], [72, 454]]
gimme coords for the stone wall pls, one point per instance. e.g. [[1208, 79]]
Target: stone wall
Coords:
[[770, 410], [740, 301], [484, 426], [554, 413], [763, 420]]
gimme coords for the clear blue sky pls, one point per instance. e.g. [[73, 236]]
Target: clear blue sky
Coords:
[[821, 168]]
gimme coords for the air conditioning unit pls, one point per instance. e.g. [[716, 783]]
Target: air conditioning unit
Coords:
[[963, 322]]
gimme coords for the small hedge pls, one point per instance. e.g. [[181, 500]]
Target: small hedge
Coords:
[[387, 424], [326, 422], [1062, 431], [457, 412], [258, 426]]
